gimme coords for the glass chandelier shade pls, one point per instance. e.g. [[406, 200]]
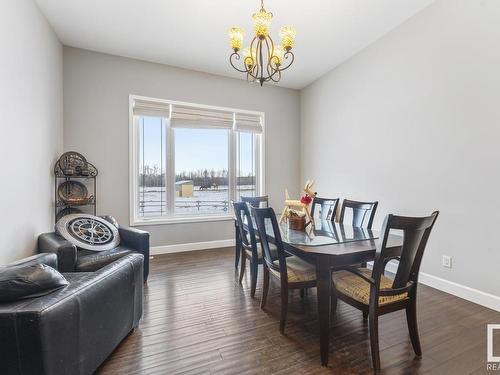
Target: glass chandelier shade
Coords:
[[278, 55], [287, 36], [236, 35], [262, 60], [262, 21]]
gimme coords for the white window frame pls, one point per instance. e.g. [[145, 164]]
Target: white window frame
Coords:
[[135, 219]]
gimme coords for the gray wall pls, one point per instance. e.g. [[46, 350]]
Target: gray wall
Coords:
[[413, 121], [31, 113], [96, 120]]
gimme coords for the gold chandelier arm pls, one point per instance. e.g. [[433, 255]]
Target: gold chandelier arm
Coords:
[[254, 72], [269, 39], [286, 55], [252, 80], [278, 72], [236, 56], [254, 75], [260, 57], [270, 51], [273, 72], [270, 56]]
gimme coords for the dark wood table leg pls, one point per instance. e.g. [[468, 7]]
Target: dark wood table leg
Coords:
[[324, 282], [237, 245]]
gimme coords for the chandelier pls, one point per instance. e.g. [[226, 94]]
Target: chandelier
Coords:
[[263, 61]]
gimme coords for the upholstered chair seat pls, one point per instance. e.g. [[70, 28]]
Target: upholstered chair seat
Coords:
[[297, 270], [272, 248], [358, 289]]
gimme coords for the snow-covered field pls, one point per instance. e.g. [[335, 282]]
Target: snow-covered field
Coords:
[[152, 201]]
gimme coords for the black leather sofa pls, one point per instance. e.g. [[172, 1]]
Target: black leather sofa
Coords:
[[71, 259], [74, 329]]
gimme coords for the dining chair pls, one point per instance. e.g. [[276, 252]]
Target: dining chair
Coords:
[[362, 213], [291, 271], [250, 247], [260, 201], [376, 294], [327, 208]]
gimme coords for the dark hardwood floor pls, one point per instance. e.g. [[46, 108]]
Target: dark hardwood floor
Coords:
[[199, 320]]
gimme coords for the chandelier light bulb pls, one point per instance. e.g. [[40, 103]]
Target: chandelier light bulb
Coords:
[[236, 35]]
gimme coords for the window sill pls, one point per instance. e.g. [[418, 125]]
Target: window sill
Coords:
[[180, 220]]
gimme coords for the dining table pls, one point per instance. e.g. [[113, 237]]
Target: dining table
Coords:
[[329, 245]]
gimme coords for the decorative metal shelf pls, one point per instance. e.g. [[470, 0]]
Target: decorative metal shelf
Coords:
[[73, 166], [89, 202], [92, 172], [75, 177]]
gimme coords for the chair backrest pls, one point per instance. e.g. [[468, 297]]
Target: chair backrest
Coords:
[[262, 201], [263, 216], [362, 212], [327, 208], [245, 227], [416, 231]]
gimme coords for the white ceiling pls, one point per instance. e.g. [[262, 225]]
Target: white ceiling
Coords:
[[193, 33]]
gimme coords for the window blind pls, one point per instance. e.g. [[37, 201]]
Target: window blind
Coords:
[[184, 116], [248, 123], [191, 117], [144, 107]]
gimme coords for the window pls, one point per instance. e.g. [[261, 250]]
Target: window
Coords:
[[201, 171], [188, 161], [246, 183], [152, 194]]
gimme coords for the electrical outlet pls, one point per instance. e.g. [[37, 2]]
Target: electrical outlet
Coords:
[[446, 261]]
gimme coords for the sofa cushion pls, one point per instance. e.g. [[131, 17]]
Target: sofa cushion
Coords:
[[90, 261], [27, 281]]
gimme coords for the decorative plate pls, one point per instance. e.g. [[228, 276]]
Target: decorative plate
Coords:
[[72, 162], [88, 232], [73, 193]]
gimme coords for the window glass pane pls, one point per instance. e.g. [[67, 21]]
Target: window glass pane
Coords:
[[246, 182], [201, 171], [152, 152]]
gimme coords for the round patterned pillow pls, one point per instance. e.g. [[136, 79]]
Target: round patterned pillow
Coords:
[[88, 232]]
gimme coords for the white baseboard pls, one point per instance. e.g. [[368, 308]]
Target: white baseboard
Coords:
[[470, 294], [168, 249]]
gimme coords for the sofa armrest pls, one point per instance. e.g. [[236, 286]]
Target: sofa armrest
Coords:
[[65, 250], [134, 238], [48, 259], [137, 240], [110, 219]]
